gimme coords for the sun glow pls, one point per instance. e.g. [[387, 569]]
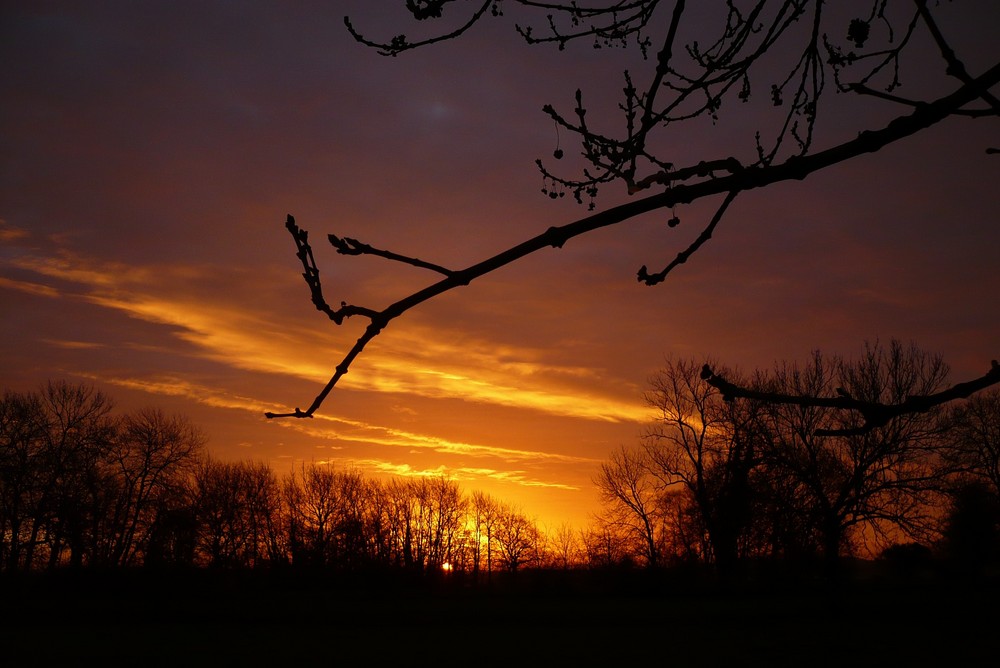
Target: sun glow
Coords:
[[446, 402]]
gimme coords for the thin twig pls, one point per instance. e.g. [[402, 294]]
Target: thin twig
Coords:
[[682, 257], [348, 246]]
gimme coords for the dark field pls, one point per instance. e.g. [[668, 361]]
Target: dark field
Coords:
[[555, 619]]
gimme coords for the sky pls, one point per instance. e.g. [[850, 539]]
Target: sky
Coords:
[[151, 151]]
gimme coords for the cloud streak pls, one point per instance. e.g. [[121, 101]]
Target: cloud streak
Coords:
[[362, 436], [416, 362]]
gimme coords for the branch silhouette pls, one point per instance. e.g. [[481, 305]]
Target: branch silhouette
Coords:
[[348, 246], [555, 237], [875, 414], [722, 68]]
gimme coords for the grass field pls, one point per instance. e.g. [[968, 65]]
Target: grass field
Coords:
[[212, 620]]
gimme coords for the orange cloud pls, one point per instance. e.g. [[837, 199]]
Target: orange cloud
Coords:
[[73, 345], [346, 432], [70, 267], [332, 427], [459, 474], [30, 288], [11, 233], [415, 360]]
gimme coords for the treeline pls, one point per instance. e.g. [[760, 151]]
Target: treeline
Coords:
[[721, 486], [82, 487], [751, 483]]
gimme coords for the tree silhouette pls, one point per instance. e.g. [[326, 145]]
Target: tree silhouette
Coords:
[[76, 479], [793, 481], [974, 447], [53, 443], [797, 52], [238, 507], [631, 501], [877, 482]]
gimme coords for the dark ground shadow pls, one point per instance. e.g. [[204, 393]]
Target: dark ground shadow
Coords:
[[199, 619]]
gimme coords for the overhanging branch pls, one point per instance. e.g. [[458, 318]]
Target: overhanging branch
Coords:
[[740, 180], [875, 414]]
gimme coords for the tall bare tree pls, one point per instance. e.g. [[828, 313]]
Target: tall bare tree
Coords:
[[517, 538], [325, 521], [708, 447], [633, 500], [151, 458], [605, 545], [972, 454], [781, 55], [566, 549], [52, 444], [878, 483], [485, 516], [238, 508]]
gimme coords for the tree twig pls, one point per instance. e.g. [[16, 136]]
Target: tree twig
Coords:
[[682, 257], [348, 246]]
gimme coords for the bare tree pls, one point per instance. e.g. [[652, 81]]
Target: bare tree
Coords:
[[708, 447], [604, 545], [685, 540], [77, 482], [485, 511], [566, 549], [439, 510], [52, 443], [517, 538], [974, 439], [631, 498], [151, 459], [19, 438], [325, 515], [238, 508], [797, 52], [383, 532], [877, 483], [971, 532]]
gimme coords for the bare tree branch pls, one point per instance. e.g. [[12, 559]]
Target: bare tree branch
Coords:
[[875, 414], [956, 67], [311, 276], [399, 43], [797, 167], [673, 95]]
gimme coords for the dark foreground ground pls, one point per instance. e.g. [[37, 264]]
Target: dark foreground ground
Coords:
[[555, 619]]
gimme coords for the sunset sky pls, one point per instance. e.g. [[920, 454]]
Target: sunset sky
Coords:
[[150, 152]]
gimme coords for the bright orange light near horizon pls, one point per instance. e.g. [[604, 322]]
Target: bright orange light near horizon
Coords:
[[447, 567]]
